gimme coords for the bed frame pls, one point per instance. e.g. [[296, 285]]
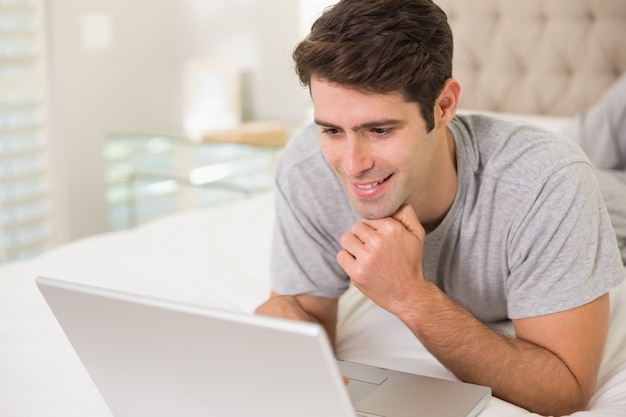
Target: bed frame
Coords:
[[553, 57]]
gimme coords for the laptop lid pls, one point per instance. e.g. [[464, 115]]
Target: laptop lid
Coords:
[[154, 357], [151, 357]]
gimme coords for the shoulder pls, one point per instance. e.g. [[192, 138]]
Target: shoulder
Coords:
[[303, 145], [523, 155], [306, 181], [302, 157]]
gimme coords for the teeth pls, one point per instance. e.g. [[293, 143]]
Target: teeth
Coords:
[[368, 186]]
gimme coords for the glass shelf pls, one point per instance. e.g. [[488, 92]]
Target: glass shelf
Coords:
[[150, 175]]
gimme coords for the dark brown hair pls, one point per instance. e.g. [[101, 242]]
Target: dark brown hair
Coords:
[[381, 46]]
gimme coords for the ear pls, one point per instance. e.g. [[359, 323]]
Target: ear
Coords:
[[447, 102]]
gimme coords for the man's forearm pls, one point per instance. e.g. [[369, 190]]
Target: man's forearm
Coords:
[[516, 370], [285, 306], [303, 308]]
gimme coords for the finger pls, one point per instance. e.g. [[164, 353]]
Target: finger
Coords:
[[345, 260], [346, 380], [406, 215], [351, 243], [363, 229]]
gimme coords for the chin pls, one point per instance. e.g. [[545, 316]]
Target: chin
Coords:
[[372, 213], [376, 208]]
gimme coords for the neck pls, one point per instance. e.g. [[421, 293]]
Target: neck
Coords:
[[444, 186]]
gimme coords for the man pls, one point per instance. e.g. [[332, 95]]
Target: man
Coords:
[[448, 222]]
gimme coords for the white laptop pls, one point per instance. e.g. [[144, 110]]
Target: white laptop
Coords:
[[150, 357]]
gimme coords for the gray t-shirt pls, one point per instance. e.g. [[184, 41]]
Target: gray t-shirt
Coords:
[[528, 233]]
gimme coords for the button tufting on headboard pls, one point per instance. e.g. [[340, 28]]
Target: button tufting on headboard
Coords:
[[536, 56]]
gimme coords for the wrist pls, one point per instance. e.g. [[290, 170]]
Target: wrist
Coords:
[[424, 307]]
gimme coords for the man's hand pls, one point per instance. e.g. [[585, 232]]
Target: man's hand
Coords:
[[383, 258], [550, 368], [285, 306], [304, 308]]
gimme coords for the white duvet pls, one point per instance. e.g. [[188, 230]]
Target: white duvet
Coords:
[[217, 257]]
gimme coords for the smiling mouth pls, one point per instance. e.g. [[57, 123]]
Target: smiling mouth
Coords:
[[371, 185]]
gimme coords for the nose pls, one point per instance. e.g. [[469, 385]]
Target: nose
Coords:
[[358, 157]]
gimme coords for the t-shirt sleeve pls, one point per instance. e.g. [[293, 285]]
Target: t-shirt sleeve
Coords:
[[563, 251], [312, 212], [303, 256]]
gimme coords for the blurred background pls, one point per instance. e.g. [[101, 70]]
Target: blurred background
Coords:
[[73, 71]]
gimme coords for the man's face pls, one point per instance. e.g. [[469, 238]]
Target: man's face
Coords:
[[377, 146]]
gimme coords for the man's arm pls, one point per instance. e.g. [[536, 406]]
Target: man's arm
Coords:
[[551, 366], [305, 308]]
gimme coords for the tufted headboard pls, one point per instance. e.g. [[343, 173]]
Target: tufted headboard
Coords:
[[552, 57]]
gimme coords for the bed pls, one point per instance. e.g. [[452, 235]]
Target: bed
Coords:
[[219, 256]]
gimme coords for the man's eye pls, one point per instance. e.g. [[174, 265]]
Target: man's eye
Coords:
[[330, 131], [381, 131]]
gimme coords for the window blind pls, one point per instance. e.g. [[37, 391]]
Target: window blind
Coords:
[[25, 192]]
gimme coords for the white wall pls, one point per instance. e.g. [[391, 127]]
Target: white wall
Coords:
[[133, 79]]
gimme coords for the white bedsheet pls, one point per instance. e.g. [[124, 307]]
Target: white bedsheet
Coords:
[[215, 257]]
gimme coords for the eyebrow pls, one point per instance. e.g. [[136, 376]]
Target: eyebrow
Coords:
[[367, 125]]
